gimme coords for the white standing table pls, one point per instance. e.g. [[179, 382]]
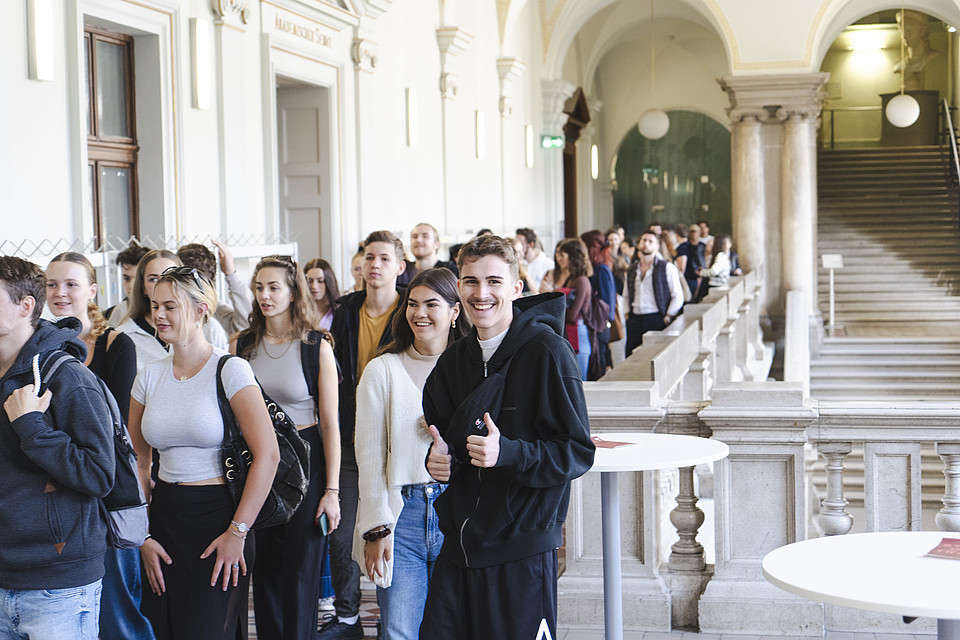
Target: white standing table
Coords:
[[647, 452], [887, 572]]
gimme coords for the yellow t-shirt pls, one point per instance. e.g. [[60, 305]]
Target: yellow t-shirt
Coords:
[[371, 330]]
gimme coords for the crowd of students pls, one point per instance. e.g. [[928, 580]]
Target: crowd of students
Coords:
[[395, 404], [391, 445]]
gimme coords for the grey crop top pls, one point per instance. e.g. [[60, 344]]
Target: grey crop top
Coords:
[[280, 372]]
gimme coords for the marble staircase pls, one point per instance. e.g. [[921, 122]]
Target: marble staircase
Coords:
[[892, 213]]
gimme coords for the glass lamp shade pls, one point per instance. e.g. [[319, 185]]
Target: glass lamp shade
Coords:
[[903, 110], [654, 124]]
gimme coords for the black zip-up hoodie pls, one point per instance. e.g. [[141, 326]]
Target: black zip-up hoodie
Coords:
[[346, 332], [517, 508], [53, 467]]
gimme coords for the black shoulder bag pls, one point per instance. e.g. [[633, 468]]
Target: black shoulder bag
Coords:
[[290, 483]]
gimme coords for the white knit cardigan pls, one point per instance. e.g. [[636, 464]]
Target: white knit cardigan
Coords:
[[391, 448]]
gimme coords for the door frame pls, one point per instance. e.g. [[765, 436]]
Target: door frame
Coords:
[[313, 71]]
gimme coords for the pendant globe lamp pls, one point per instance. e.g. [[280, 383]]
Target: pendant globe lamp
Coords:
[[654, 123], [902, 110]]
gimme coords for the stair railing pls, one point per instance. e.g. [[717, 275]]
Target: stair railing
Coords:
[[952, 135]]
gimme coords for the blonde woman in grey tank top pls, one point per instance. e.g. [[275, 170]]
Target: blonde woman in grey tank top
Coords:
[[283, 331]]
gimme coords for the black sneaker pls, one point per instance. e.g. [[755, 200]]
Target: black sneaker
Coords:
[[334, 629]]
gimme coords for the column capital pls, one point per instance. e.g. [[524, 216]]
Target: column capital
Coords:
[[452, 41], [232, 12], [364, 53], [555, 94], [781, 96], [509, 69]]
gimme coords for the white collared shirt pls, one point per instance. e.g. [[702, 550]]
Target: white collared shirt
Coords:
[[645, 301]]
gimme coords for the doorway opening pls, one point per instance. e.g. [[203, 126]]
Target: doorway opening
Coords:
[[305, 173]]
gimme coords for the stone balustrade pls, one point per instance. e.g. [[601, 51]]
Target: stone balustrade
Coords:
[[699, 378]]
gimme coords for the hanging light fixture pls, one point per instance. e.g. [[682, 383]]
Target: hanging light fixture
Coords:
[[902, 110], [653, 123]]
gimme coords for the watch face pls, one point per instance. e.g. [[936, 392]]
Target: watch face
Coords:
[[242, 527]]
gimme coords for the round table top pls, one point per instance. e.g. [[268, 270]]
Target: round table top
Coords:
[[649, 451], [887, 572]]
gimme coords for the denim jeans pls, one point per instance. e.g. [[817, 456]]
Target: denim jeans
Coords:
[[585, 349], [120, 617], [54, 614], [416, 546]]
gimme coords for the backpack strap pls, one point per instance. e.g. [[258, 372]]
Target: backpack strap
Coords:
[[310, 361], [43, 372]]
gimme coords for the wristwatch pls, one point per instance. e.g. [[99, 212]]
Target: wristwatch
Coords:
[[242, 527]]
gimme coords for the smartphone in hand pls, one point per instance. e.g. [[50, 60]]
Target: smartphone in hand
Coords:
[[324, 524]]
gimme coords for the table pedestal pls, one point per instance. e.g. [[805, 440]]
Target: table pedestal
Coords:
[[948, 629], [610, 521]]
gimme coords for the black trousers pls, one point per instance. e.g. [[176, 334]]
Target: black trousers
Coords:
[[344, 571], [506, 602], [185, 519], [286, 577], [637, 325]]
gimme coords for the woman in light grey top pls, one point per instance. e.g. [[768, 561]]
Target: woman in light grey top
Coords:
[[196, 558], [294, 362]]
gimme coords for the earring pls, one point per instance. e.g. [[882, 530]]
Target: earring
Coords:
[[453, 323], [199, 323]]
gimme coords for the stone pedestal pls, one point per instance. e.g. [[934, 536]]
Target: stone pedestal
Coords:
[[760, 506]]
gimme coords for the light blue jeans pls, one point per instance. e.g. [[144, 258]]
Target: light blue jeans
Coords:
[[585, 349], [416, 546], [55, 614]]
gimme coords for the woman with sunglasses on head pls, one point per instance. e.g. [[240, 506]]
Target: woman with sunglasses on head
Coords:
[[72, 291], [397, 538], [295, 363], [324, 290], [197, 557]]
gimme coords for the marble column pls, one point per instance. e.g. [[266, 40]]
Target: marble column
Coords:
[[747, 177], [555, 94], [797, 204], [791, 102]]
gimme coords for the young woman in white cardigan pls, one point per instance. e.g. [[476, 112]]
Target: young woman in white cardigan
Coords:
[[397, 538]]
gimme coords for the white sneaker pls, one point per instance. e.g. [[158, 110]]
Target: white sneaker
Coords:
[[326, 604]]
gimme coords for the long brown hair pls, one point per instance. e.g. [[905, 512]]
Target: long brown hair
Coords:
[[329, 280], [303, 313], [442, 282], [577, 262], [139, 302], [98, 322]]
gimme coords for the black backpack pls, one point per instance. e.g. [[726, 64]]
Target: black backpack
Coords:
[[598, 317], [125, 507], [293, 472]]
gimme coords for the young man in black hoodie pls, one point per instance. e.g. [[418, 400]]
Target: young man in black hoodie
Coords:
[[361, 325], [510, 430], [56, 459]]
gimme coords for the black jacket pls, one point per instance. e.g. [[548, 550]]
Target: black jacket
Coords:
[[517, 508], [53, 467], [346, 330]]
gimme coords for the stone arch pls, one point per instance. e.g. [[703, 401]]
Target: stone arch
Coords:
[[571, 15], [839, 14]]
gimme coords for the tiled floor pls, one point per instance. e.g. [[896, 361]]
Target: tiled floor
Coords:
[[370, 613]]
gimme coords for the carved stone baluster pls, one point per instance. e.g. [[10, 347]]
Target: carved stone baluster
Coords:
[[833, 518], [949, 517], [687, 553], [687, 564]]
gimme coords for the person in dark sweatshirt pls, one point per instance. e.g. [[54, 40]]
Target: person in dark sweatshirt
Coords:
[[56, 459], [509, 423], [360, 327]]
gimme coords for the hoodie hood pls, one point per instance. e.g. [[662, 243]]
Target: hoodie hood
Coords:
[[532, 315], [49, 336]]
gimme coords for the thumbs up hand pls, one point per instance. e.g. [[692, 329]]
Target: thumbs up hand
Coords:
[[438, 462], [485, 450]]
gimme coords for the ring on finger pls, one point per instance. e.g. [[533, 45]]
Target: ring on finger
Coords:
[[236, 566]]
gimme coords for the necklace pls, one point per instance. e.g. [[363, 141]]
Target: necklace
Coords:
[[286, 336], [270, 355], [186, 374]]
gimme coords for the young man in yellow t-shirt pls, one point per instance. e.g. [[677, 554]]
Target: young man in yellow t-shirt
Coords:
[[360, 326]]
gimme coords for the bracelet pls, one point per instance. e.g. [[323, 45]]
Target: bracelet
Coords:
[[242, 537], [331, 490], [373, 536]]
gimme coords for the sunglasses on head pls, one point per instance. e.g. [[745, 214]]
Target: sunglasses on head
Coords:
[[279, 258], [186, 272]]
